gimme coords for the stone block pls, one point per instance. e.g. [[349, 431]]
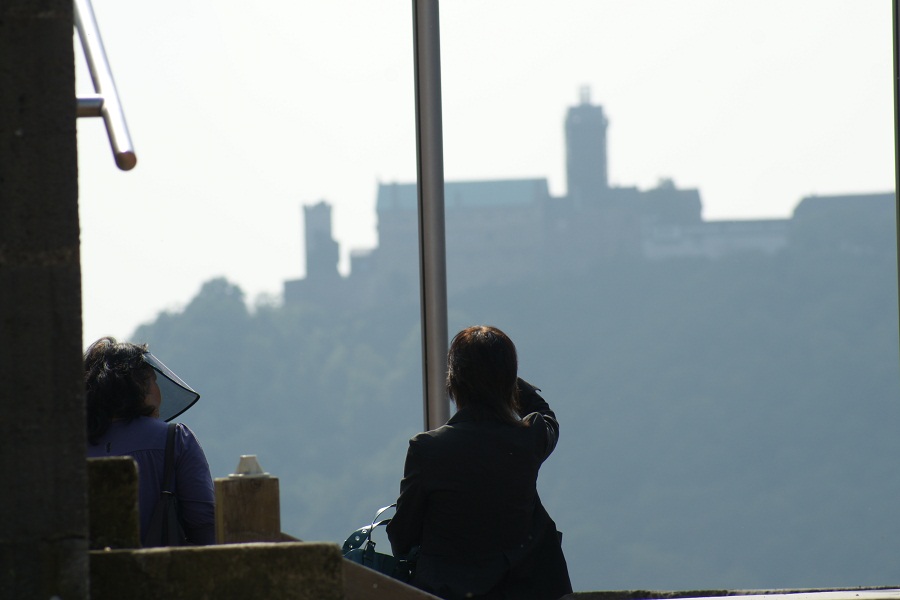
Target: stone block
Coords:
[[113, 503], [274, 571], [247, 510]]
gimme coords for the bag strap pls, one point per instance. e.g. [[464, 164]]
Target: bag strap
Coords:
[[376, 522], [168, 481]]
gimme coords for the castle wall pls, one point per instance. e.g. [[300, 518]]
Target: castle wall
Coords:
[[500, 231]]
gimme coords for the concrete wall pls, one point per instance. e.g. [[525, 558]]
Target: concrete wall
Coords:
[[43, 513]]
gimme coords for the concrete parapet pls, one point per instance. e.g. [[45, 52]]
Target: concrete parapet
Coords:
[[854, 593], [362, 583], [275, 571], [645, 595], [113, 503], [247, 511]]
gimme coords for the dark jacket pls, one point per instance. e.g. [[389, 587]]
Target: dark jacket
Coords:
[[468, 499]]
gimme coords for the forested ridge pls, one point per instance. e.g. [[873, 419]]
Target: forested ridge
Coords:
[[725, 423]]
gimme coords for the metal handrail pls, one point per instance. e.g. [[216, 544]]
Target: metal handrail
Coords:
[[105, 103]]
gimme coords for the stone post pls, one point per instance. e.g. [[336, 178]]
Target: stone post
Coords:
[[43, 506], [248, 507]]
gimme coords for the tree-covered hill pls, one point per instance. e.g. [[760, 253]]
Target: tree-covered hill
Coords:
[[725, 424]]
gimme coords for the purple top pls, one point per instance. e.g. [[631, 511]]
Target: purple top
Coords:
[[144, 439]]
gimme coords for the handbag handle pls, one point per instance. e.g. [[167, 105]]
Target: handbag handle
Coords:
[[377, 523], [363, 535], [378, 514]]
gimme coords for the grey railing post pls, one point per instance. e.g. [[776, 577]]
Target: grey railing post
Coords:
[[432, 244], [895, 19]]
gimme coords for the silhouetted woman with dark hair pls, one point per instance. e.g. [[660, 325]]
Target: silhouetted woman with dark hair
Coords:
[[130, 395], [468, 498]]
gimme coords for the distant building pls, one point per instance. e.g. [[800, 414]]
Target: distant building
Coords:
[[322, 251], [715, 239], [847, 224], [502, 231], [586, 164], [322, 254]]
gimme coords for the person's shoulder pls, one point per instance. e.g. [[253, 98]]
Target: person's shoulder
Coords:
[[184, 436], [187, 440], [422, 439], [141, 433], [185, 431], [157, 430], [429, 439], [139, 427], [148, 423]]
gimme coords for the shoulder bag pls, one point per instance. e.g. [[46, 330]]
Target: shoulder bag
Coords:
[[360, 548], [165, 526]]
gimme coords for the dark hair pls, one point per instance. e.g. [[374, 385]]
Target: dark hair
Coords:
[[482, 370], [115, 384]]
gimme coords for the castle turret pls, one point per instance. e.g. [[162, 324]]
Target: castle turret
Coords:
[[586, 176], [321, 250]]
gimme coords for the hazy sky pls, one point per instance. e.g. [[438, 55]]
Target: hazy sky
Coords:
[[241, 113]]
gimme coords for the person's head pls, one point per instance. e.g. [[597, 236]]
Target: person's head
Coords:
[[118, 384], [482, 369]]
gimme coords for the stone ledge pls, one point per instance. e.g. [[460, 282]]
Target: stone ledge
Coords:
[[823, 593], [362, 583], [275, 571]]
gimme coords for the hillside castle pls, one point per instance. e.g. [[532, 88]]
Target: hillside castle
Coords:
[[502, 231]]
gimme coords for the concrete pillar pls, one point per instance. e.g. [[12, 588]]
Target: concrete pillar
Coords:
[[43, 508], [248, 505], [113, 503]]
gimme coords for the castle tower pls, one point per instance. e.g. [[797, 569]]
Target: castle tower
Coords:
[[321, 249], [586, 176]]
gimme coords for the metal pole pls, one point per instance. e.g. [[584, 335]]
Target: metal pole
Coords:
[[432, 245], [895, 19], [106, 104]]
